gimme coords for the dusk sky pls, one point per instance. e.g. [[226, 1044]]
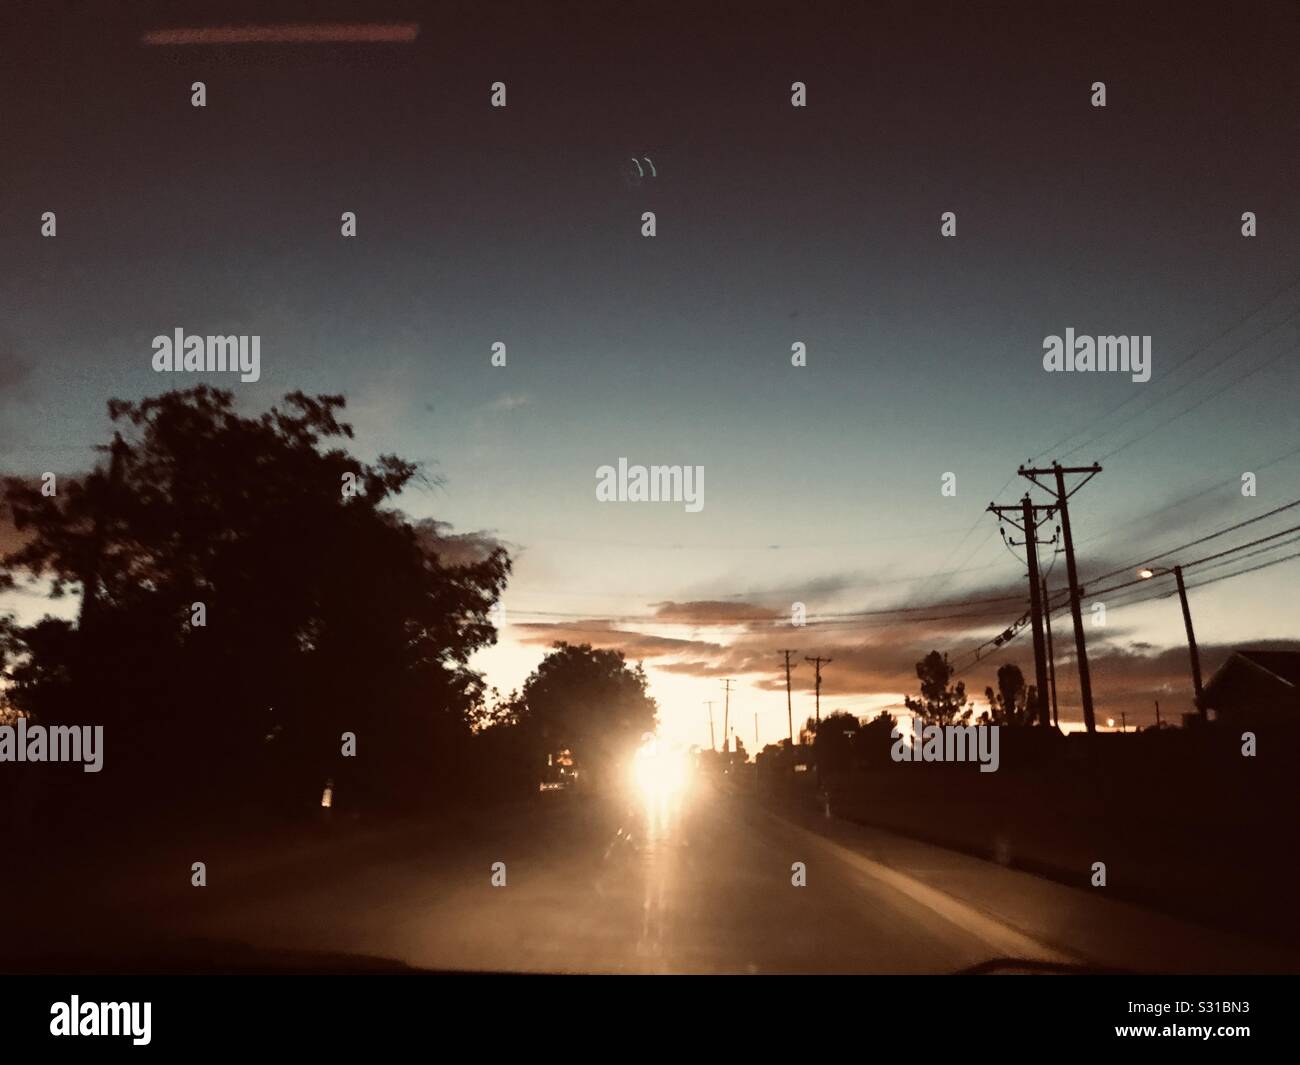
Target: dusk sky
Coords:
[[775, 225]]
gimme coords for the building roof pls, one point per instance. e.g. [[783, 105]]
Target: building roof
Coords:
[[1285, 665]]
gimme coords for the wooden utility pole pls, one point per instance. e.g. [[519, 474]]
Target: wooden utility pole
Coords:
[[1057, 489], [789, 712], [713, 743], [818, 663], [1191, 644], [1051, 658], [726, 717], [1028, 525]]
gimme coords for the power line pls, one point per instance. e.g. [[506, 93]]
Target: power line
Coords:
[[1233, 480], [850, 617], [1201, 540], [1200, 403], [1062, 497], [1252, 554], [1163, 396], [1029, 522], [1249, 569], [1013, 631], [1197, 351]]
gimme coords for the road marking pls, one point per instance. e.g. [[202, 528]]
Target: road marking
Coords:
[[1001, 938]]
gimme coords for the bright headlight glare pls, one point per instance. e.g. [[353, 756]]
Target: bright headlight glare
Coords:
[[657, 771]]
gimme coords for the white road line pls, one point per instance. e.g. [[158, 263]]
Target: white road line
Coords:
[[1001, 938]]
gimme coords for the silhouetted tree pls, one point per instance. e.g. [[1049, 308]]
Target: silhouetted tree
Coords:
[[940, 703], [588, 701], [323, 610], [833, 746], [873, 741], [1012, 703]]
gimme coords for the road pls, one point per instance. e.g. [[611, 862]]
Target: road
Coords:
[[586, 890]]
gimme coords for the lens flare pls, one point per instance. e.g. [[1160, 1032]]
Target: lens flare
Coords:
[[660, 776], [659, 771]]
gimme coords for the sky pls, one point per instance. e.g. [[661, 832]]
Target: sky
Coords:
[[775, 225]]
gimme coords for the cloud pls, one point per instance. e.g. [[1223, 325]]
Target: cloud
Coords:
[[1128, 674], [605, 634], [713, 612], [509, 401], [455, 549]]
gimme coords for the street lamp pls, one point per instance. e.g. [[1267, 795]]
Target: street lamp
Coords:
[[1177, 571]]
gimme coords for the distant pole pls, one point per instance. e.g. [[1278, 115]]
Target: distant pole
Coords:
[[1123, 721], [1051, 658], [726, 718], [713, 743], [818, 662], [1191, 643], [789, 713], [1157, 713], [756, 734]]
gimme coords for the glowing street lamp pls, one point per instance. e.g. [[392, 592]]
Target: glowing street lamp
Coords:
[[1146, 574]]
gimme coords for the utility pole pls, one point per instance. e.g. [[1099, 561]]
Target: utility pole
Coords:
[[1029, 523], [818, 663], [1051, 658], [789, 713], [726, 718], [713, 744], [1191, 643], [1177, 571], [1058, 472], [1157, 713]]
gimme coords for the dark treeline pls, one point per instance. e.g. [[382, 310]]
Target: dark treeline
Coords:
[[256, 618], [248, 594]]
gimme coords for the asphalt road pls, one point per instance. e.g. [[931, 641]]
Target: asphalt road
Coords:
[[587, 889]]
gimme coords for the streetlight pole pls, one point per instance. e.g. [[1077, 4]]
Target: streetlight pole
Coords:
[[1177, 571]]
